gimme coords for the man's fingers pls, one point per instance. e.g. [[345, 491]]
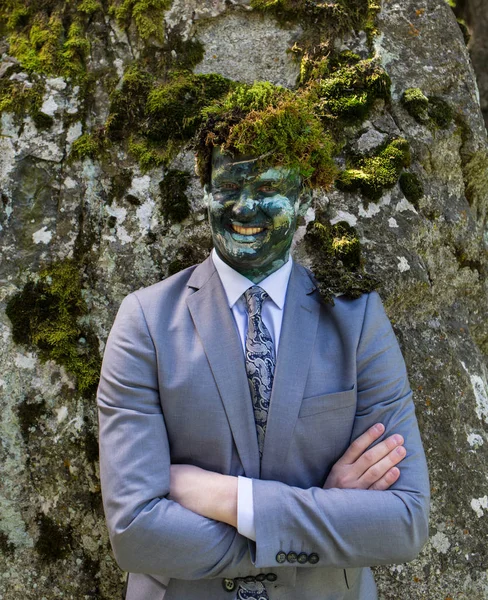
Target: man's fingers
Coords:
[[387, 480], [374, 455], [379, 470], [362, 443]]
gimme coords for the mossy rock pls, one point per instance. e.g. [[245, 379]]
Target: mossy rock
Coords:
[[46, 314], [175, 205], [412, 188], [372, 175], [336, 260]]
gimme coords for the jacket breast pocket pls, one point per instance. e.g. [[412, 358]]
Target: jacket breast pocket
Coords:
[[327, 402]]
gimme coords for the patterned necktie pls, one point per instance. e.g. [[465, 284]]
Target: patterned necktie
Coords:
[[260, 361]]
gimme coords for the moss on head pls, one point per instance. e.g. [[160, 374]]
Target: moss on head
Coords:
[[373, 174], [46, 314], [276, 125], [336, 260]]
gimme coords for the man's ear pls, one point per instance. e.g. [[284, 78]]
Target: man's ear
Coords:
[[305, 200]]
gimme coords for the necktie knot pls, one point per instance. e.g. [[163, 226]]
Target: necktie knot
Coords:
[[255, 296]]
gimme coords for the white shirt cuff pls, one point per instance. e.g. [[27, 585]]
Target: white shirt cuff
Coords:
[[245, 508]]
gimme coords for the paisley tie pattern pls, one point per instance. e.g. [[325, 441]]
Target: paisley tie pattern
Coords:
[[260, 366], [260, 361]]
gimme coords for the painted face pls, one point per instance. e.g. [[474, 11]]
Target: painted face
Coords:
[[253, 214]]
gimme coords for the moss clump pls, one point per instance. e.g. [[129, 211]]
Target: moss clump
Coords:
[[335, 17], [147, 15], [423, 108], [272, 123], [336, 260], [373, 174], [182, 55], [416, 103], [54, 541], [88, 145], [412, 188], [174, 201], [48, 42], [440, 112], [20, 99], [346, 87], [46, 314]]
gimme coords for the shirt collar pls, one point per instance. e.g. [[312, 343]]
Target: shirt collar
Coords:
[[235, 284]]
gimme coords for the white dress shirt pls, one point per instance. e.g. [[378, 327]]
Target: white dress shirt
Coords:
[[235, 284]]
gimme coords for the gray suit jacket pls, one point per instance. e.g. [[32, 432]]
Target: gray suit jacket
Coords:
[[174, 390]]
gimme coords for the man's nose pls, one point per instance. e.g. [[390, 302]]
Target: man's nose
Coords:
[[245, 207]]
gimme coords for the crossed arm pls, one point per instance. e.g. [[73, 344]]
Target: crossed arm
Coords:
[[362, 466]]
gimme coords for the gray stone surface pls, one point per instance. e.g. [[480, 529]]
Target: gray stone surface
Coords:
[[431, 261]]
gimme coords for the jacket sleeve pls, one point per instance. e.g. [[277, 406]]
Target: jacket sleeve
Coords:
[[149, 533], [356, 528]]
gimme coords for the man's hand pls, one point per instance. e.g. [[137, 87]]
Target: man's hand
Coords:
[[206, 493], [365, 468]]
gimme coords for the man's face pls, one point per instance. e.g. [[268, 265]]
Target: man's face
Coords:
[[253, 213]]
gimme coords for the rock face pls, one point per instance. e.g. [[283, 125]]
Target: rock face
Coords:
[[99, 199]]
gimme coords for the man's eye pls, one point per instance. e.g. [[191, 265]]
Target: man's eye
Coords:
[[268, 188], [228, 186]]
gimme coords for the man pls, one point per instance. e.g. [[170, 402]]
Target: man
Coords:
[[227, 411]]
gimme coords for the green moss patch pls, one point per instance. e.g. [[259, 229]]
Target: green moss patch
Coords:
[[412, 188], [175, 205], [88, 145], [336, 260], [147, 16], [371, 175], [46, 314], [475, 172], [425, 109]]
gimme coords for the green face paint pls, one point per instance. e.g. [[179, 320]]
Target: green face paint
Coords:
[[253, 214]]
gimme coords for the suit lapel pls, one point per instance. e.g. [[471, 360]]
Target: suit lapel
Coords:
[[299, 328], [217, 330]]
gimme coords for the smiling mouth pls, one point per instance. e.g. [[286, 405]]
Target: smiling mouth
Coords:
[[247, 230]]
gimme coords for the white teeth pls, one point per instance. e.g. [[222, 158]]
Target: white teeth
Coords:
[[247, 230]]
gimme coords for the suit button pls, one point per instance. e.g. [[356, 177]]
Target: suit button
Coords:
[[313, 558], [271, 577], [229, 585], [260, 577], [291, 557], [281, 557], [302, 558], [249, 579]]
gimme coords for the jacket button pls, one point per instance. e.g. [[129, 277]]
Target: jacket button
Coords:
[[281, 557], [249, 579], [302, 558], [229, 585], [291, 557], [271, 577], [260, 577], [313, 558]]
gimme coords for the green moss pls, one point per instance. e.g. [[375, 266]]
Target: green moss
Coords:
[[475, 172], [440, 112], [336, 260], [416, 103], [182, 55], [412, 188], [149, 154], [54, 541], [175, 205], [127, 104], [22, 100], [88, 145], [276, 125], [147, 15], [424, 108], [46, 314], [120, 183], [29, 414], [335, 17], [89, 7], [371, 175], [349, 91]]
